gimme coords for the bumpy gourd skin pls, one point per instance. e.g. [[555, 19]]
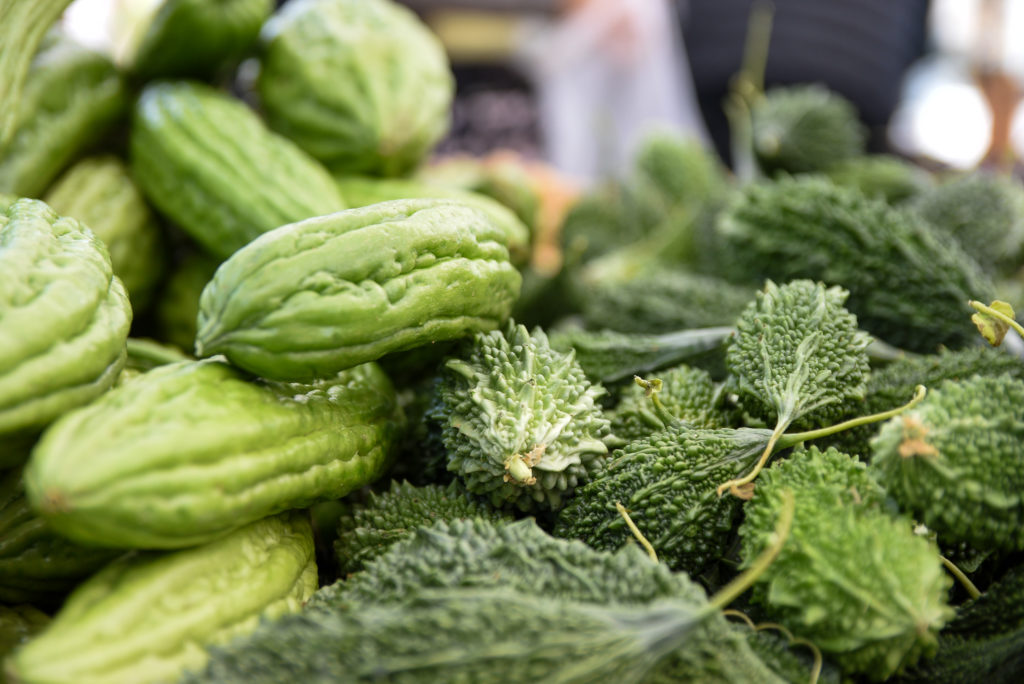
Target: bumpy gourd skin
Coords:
[[208, 162], [984, 642], [659, 299], [463, 635], [99, 192], [798, 354], [65, 318], [190, 451], [37, 565], [148, 617], [325, 294], [907, 285], [362, 85], [805, 128], [522, 557], [984, 212], [72, 97], [893, 384], [687, 393], [520, 421], [955, 460], [667, 483], [851, 578], [884, 176], [393, 515]]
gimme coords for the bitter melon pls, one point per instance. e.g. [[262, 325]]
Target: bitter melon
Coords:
[[317, 296], [192, 450]]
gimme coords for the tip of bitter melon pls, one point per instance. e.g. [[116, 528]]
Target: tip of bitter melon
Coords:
[[54, 502]]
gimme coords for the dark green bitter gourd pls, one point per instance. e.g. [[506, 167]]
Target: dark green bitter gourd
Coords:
[[908, 285], [956, 461], [851, 578]]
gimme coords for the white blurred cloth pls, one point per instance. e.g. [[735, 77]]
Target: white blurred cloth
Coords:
[[606, 74]]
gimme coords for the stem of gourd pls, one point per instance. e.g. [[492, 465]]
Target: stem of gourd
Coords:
[[651, 389], [778, 439], [735, 486], [978, 306], [748, 87], [972, 590], [796, 437], [636, 532], [744, 580]]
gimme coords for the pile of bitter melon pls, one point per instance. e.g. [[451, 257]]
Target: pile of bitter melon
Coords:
[[283, 399]]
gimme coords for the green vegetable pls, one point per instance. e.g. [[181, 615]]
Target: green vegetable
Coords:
[[145, 354], [148, 617], [803, 128], [954, 460], [521, 557], [362, 85], [321, 295], [666, 482], [678, 171], [195, 38], [798, 357], [998, 610], [65, 318], [894, 383], [657, 299], [177, 306], [985, 642], [207, 161], [100, 193], [673, 180], [518, 555], [998, 659], [687, 393], [985, 214], [72, 97], [907, 285], [466, 635], [502, 176], [359, 191], [852, 579], [520, 421], [18, 624], [369, 530], [23, 25], [884, 176], [36, 564], [192, 450], [608, 356]]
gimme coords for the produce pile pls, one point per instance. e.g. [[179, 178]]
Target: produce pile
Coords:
[[283, 399]]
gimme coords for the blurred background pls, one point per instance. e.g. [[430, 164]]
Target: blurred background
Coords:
[[577, 83]]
